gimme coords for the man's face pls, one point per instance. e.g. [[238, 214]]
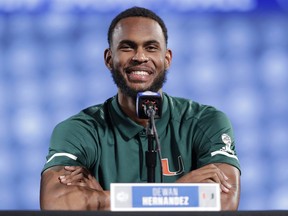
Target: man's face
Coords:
[[138, 58]]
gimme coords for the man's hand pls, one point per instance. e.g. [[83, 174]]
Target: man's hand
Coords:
[[226, 175], [80, 176], [71, 188], [207, 174]]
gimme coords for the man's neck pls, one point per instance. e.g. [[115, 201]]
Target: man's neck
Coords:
[[128, 106]]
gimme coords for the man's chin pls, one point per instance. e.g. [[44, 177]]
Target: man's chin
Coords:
[[131, 89], [133, 92], [129, 93]]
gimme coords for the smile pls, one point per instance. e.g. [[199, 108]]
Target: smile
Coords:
[[140, 73]]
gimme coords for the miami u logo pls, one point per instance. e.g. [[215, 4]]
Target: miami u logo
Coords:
[[166, 169]]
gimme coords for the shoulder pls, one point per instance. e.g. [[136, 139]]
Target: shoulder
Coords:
[[89, 118], [191, 109]]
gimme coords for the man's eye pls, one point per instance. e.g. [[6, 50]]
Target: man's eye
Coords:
[[126, 48], [152, 48]]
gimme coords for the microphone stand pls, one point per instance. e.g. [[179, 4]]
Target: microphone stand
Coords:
[[151, 154]]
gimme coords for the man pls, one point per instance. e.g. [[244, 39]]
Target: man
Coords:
[[106, 143]]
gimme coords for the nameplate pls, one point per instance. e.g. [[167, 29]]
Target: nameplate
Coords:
[[165, 197]]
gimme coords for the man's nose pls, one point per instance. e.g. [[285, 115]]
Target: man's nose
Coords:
[[140, 56]]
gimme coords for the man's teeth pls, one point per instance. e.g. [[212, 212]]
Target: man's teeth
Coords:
[[142, 73]]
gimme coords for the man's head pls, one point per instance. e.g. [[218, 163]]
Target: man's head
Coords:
[[136, 12], [137, 55]]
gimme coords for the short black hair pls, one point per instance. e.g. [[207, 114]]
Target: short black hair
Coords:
[[137, 12]]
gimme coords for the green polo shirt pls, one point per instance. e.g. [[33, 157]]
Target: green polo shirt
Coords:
[[112, 146]]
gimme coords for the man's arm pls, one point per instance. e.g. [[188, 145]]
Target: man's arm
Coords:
[[226, 175], [55, 195], [230, 200]]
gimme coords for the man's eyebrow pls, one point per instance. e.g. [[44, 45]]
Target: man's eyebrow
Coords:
[[151, 42], [132, 43], [129, 42]]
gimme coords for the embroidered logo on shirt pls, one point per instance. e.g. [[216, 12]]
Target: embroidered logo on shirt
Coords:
[[226, 150], [227, 141], [166, 169]]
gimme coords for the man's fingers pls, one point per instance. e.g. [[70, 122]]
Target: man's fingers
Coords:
[[209, 173], [69, 178], [224, 187], [79, 183], [222, 179], [74, 177], [73, 174], [79, 176], [71, 168], [75, 170]]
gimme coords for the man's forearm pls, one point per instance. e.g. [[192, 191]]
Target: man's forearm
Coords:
[[57, 196], [230, 200], [225, 175], [76, 198]]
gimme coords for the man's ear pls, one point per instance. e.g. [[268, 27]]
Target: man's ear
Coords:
[[168, 58], [108, 58]]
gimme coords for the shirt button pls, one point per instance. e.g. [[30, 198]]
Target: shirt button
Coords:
[[142, 133]]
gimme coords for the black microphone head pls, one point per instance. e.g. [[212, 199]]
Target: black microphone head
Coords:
[[148, 102]]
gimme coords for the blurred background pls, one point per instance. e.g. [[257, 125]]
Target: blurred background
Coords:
[[232, 54]]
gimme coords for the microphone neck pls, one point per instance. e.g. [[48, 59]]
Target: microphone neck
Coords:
[[151, 112]]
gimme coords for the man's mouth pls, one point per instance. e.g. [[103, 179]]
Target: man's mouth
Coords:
[[139, 73], [142, 71]]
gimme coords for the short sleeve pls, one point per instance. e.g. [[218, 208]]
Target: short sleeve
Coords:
[[72, 144], [214, 139]]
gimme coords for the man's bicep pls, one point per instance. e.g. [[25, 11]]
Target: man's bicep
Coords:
[[231, 172], [230, 201], [50, 186]]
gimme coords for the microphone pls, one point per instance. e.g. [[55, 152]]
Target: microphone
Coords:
[[149, 104]]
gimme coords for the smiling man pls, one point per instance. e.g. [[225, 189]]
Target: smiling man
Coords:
[[106, 143], [138, 60]]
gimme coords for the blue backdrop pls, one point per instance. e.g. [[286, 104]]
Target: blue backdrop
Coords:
[[230, 54]]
